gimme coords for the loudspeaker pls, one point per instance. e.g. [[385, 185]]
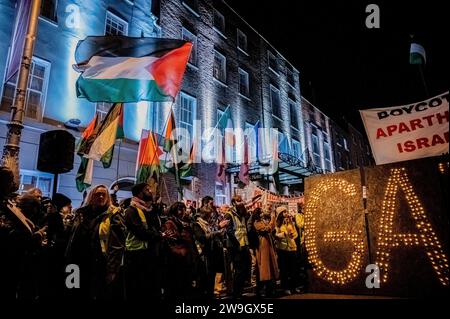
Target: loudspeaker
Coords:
[[56, 152]]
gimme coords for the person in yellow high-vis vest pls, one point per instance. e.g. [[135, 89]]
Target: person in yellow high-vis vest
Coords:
[[285, 234], [143, 260], [237, 244]]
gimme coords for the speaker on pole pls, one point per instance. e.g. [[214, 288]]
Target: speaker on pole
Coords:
[[56, 152]]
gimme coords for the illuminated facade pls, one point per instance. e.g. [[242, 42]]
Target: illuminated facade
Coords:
[[231, 64], [51, 98]]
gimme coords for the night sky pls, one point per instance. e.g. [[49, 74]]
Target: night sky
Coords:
[[345, 66]]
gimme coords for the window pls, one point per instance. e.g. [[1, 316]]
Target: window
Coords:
[[230, 149], [219, 22], [48, 9], [220, 67], [326, 149], [344, 141], [115, 25], [241, 40], [296, 149], [36, 91], [102, 109], [323, 122], [316, 149], [252, 140], [293, 114], [338, 139], [191, 4], [189, 36], [156, 117], [31, 179], [290, 77], [339, 161], [273, 64], [188, 106], [243, 83], [312, 114], [275, 101], [220, 197], [325, 137], [283, 142]]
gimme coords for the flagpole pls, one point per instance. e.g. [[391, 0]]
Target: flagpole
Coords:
[[422, 76], [175, 163], [10, 157], [118, 160]]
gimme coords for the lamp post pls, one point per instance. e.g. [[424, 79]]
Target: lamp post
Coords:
[[10, 157]]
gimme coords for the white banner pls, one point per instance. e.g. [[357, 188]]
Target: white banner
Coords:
[[407, 132]]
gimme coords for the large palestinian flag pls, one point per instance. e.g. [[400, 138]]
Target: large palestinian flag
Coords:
[[125, 69]]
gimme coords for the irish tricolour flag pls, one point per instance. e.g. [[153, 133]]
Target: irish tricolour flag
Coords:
[[125, 69]]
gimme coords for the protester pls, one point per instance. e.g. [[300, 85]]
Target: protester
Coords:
[[143, 259], [265, 254], [208, 240], [181, 253], [84, 247], [286, 234], [237, 244]]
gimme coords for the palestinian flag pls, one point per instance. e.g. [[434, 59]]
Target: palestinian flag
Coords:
[[125, 69], [417, 54], [99, 145], [168, 139], [84, 175], [148, 164], [185, 169]]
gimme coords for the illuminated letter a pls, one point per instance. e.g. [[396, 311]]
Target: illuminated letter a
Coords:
[[425, 237]]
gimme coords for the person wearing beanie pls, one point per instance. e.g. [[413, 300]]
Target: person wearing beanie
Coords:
[[143, 243]]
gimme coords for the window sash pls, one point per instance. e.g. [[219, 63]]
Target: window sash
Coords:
[[293, 115], [296, 148], [219, 69], [114, 25], [30, 179], [315, 142], [272, 61], [219, 21], [187, 116], [189, 36], [49, 9], [36, 93], [243, 82], [241, 40], [290, 77], [193, 4], [275, 101]]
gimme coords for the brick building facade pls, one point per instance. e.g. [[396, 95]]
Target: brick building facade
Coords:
[[231, 65]]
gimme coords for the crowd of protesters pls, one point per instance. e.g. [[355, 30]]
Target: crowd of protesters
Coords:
[[142, 248]]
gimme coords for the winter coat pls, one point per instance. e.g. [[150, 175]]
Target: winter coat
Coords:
[[266, 256]]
